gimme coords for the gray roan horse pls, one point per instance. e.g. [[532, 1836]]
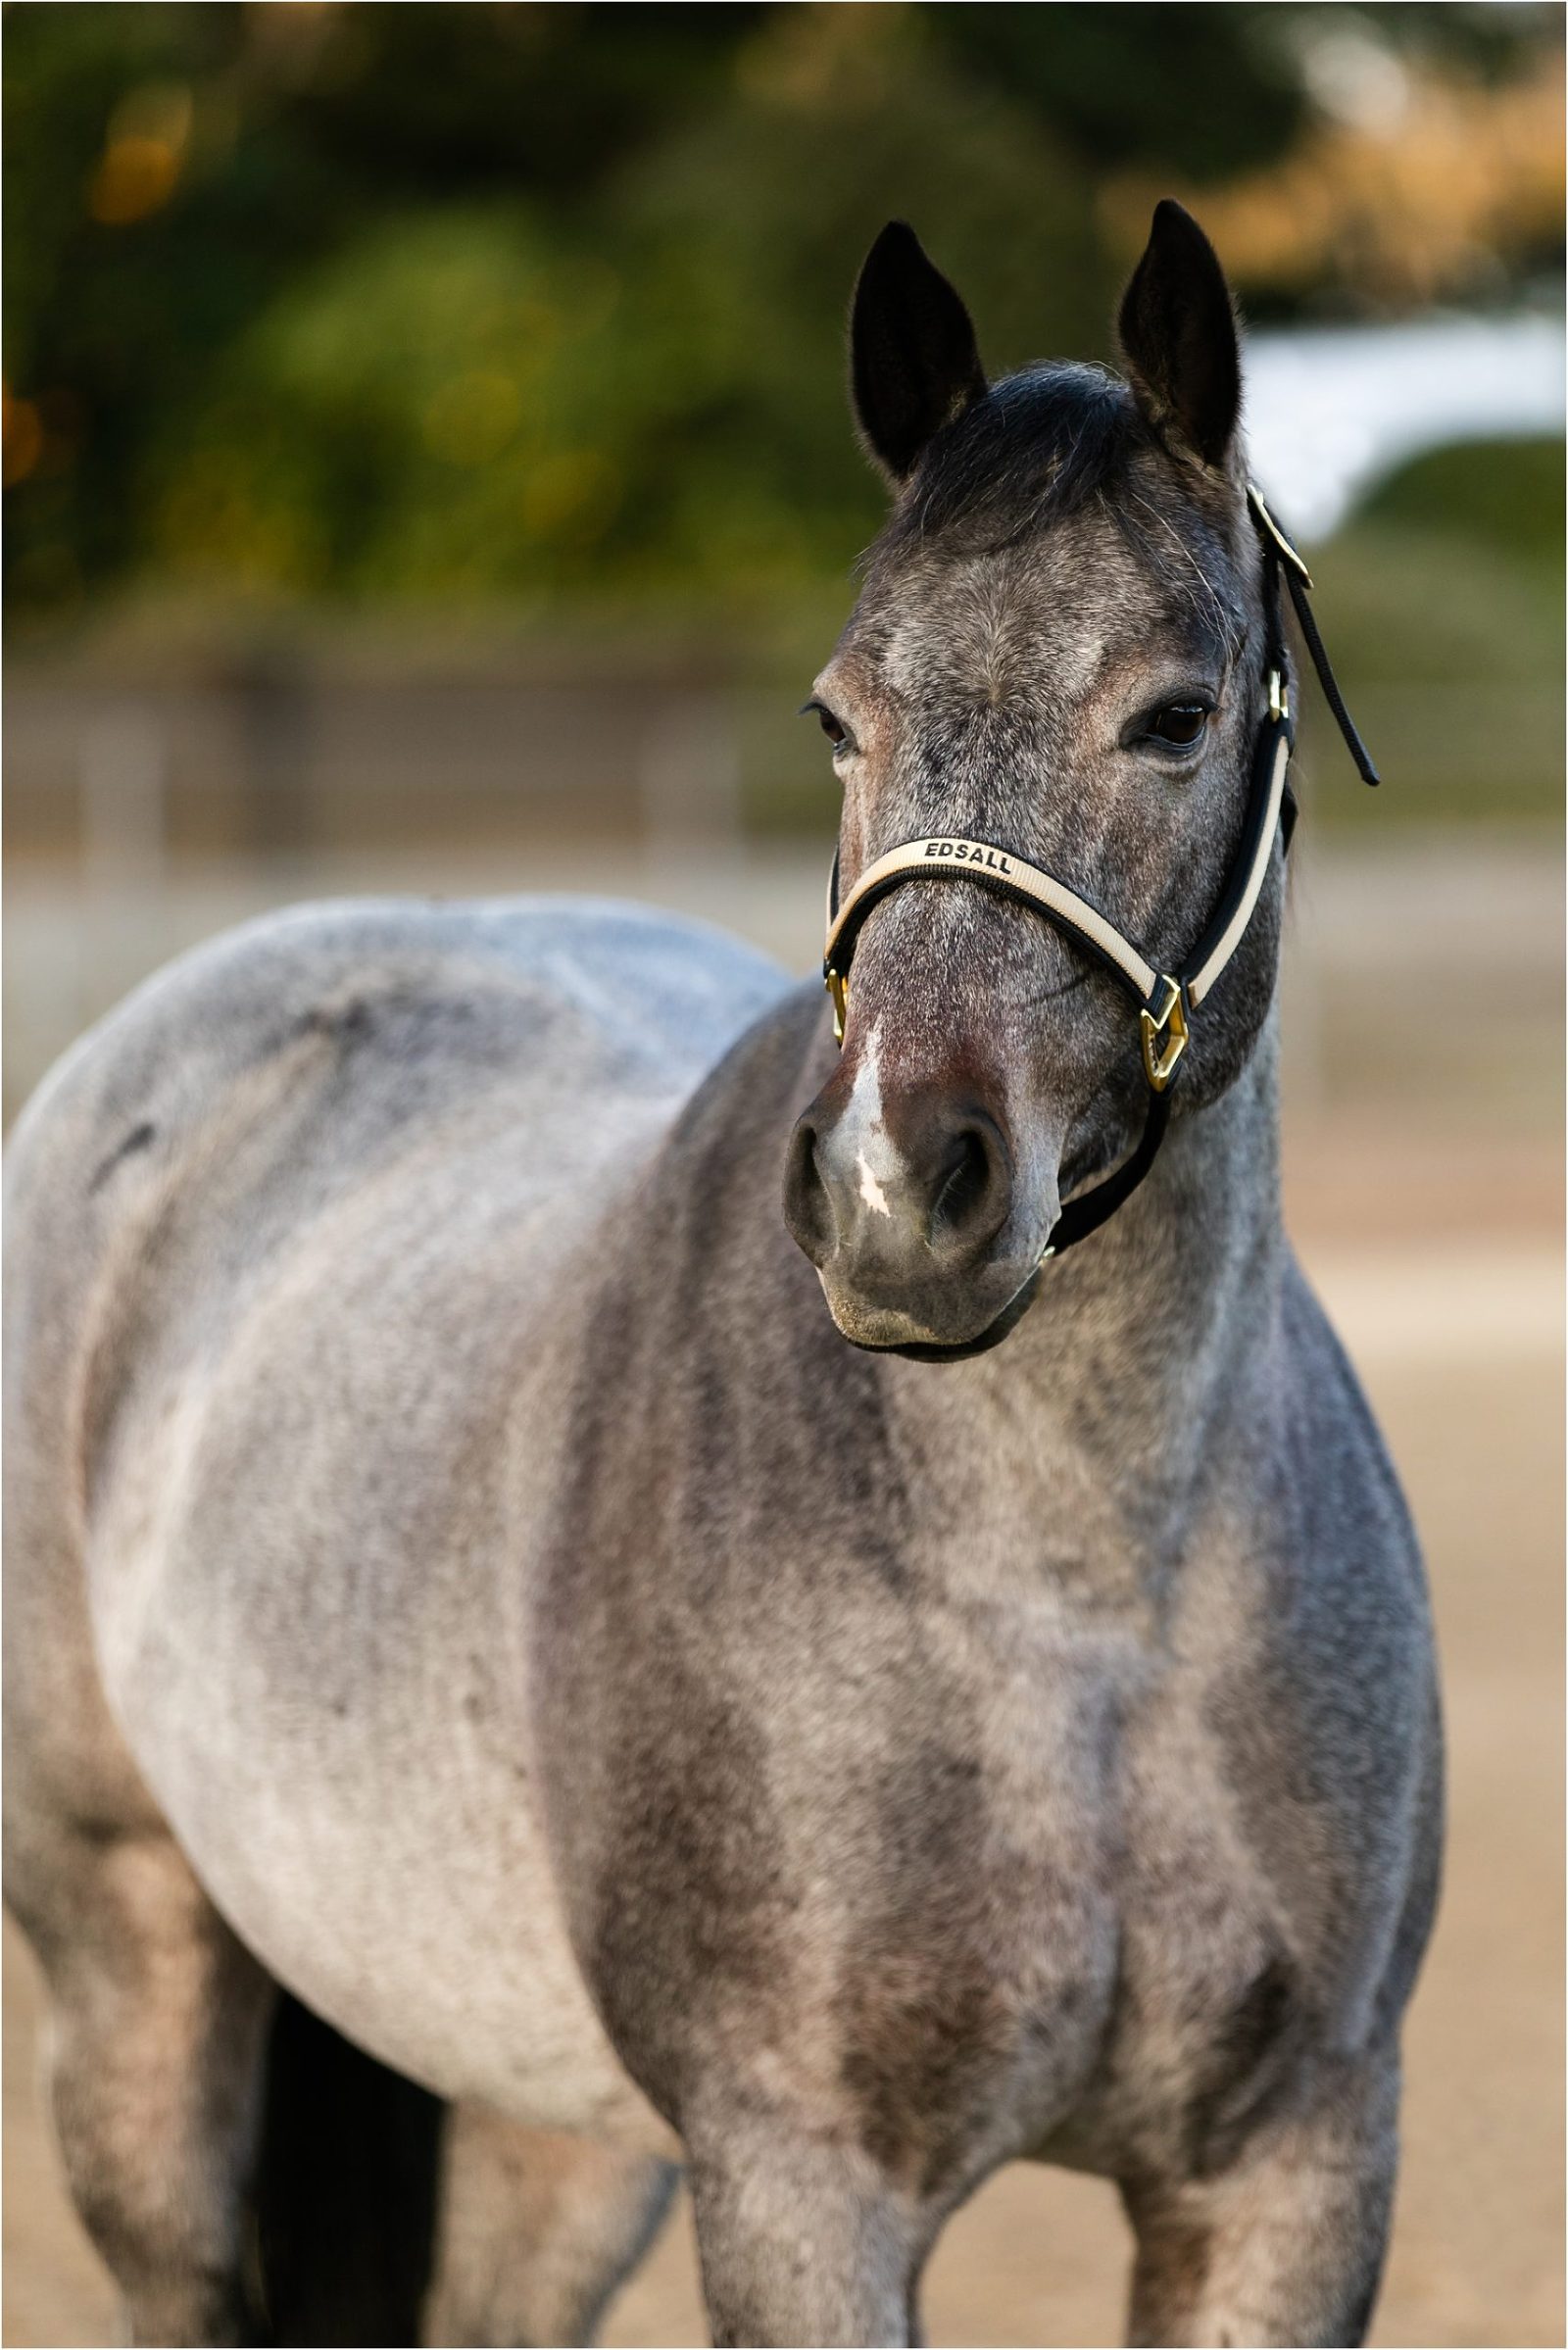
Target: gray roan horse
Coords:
[[470, 1596]]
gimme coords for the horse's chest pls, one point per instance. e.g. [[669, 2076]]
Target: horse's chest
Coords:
[[976, 1972], [937, 1884], [1056, 1939]]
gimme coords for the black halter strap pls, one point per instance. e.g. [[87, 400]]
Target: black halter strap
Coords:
[[1165, 1000], [1279, 553]]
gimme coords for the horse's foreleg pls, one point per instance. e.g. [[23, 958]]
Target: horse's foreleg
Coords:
[[1286, 2243], [802, 2243], [156, 2031], [536, 2231]]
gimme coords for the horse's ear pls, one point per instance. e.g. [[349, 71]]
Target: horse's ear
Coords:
[[1178, 333], [913, 351]]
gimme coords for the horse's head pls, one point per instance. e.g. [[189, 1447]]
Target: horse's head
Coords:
[[1059, 651]]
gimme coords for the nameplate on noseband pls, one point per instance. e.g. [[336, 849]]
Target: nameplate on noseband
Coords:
[[972, 852]]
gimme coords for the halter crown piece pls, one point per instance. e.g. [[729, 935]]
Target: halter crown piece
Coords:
[[1165, 1000]]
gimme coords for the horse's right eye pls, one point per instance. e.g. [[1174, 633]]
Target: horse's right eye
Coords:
[[1179, 724], [837, 734]]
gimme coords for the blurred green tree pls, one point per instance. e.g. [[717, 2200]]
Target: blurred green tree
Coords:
[[540, 303]]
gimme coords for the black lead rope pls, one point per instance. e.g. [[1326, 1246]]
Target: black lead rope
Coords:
[[1166, 1008]]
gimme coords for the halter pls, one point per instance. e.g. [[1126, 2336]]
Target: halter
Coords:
[[1165, 1000]]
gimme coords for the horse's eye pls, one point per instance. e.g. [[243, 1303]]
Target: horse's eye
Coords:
[[1179, 724], [835, 734]]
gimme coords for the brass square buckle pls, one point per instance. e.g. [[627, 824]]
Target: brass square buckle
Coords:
[[1161, 1059], [839, 990]]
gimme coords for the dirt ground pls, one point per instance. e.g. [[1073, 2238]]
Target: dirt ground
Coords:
[[1431, 1219]]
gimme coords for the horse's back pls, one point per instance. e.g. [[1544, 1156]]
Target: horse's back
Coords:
[[456, 1062], [251, 1081], [436, 997]]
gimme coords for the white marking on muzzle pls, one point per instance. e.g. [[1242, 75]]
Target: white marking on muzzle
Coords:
[[862, 1132], [871, 1191]]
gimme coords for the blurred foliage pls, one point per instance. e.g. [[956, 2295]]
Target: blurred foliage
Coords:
[[1506, 495], [1410, 189], [391, 306]]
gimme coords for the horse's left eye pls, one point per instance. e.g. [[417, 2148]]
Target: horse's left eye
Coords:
[[1179, 724]]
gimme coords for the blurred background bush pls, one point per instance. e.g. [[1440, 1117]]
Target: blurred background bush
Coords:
[[474, 325], [540, 307]]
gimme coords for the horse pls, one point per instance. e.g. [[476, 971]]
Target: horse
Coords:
[[831, 1701]]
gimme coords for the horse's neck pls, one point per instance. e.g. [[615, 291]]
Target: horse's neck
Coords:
[[1147, 1351]]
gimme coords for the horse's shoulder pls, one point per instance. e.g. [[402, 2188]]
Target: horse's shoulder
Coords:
[[1339, 1465], [1343, 1634]]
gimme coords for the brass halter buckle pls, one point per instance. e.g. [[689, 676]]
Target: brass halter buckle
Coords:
[[1159, 1060], [838, 989]]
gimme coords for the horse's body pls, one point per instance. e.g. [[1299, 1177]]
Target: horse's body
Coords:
[[452, 1546], [335, 1266]]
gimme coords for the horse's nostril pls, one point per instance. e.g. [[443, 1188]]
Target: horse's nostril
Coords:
[[962, 1189], [935, 1190], [807, 1210]]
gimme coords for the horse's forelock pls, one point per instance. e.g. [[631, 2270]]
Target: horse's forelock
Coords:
[[1034, 450]]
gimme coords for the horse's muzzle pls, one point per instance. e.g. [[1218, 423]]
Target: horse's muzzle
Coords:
[[917, 1238]]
